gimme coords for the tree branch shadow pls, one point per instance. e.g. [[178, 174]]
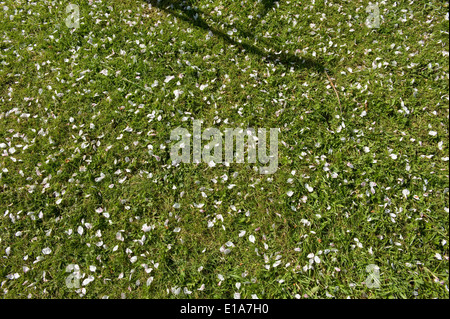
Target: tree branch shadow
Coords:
[[184, 9], [267, 6]]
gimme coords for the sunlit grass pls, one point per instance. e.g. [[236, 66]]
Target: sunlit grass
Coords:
[[85, 171]]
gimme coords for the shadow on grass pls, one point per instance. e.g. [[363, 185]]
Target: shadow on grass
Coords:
[[267, 6], [186, 10]]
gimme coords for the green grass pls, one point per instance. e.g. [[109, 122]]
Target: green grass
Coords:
[[62, 125]]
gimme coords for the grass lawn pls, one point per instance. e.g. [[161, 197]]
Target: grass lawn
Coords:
[[92, 206]]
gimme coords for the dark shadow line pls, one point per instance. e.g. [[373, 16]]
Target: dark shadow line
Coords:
[[193, 16]]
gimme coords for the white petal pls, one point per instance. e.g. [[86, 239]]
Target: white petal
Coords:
[[168, 78]]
